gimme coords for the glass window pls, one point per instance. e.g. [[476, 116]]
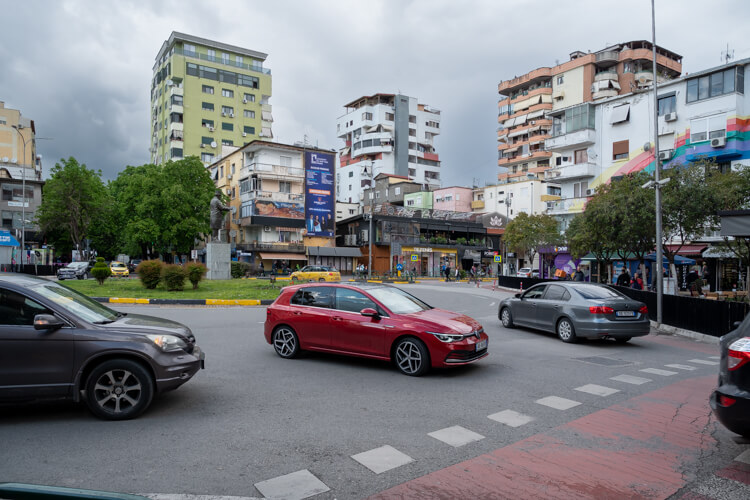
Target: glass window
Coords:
[[227, 142], [692, 90], [249, 97], [192, 69], [211, 55], [77, 303], [555, 292], [17, 309], [667, 105], [703, 87], [206, 140], [717, 126], [225, 58], [207, 106], [248, 113], [352, 300], [188, 49], [535, 292], [207, 157], [227, 110], [717, 84], [729, 80], [238, 60], [314, 296], [249, 130], [598, 292], [285, 187], [207, 89], [227, 93], [227, 126], [398, 301], [207, 123]]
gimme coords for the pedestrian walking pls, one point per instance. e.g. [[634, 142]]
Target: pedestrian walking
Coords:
[[579, 274], [261, 269], [624, 278], [637, 282], [447, 272], [457, 274]]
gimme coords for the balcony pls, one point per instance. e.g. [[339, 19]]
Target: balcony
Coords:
[[536, 155], [272, 196], [272, 171], [477, 204], [176, 108], [269, 247], [218, 60], [569, 172], [537, 74], [584, 137], [566, 206], [176, 126], [644, 78], [176, 91], [608, 57], [606, 75], [601, 94]]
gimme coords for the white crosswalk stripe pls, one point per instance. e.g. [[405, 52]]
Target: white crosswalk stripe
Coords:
[[558, 403], [597, 390], [382, 459], [656, 371], [294, 486], [511, 418], [681, 367], [456, 436], [703, 362], [630, 379]]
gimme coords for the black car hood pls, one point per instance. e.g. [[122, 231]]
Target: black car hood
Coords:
[[140, 323]]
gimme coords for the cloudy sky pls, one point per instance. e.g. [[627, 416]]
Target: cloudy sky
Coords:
[[81, 69]]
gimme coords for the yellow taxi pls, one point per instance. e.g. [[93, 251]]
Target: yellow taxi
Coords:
[[317, 273], [118, 268]]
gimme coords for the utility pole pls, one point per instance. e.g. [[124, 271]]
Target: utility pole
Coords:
[[659, 273], [369, 232]]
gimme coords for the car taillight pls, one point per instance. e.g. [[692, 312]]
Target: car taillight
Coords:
[[739, 353], [726, 401], [601, 310], [643, 310]]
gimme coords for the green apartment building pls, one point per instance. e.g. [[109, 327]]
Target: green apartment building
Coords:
[[206, 95]]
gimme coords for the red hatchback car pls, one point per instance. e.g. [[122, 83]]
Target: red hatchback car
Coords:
[[372, 321]]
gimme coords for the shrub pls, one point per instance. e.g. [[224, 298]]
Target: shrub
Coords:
[[195, 272], [240, 269], [101, 270], [461, 241], [173, 277], [149, 271]]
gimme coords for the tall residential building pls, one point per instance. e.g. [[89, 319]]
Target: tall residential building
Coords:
[[386, 134], [205, 95], [535, 106], [20, 176]]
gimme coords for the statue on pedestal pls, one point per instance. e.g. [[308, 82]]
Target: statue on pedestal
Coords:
[[218, 212]]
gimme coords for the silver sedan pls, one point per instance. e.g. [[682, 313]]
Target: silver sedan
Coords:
[[576, 310]]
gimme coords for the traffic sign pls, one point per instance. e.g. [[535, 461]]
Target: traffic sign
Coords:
[[399, 267], [498, 258], [414, 257]]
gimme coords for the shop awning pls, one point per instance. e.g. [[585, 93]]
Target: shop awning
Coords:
[[282, 256], [334, 251], [7, 240], [687, 249], [348, 252], [678, 260], [718, 253], [516, 133], [535, 114]]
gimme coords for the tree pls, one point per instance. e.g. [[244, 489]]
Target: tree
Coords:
[[72, 199], [591, 231], [526, 234]]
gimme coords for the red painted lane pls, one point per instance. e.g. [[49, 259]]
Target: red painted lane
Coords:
[[736, 471], [640, 448]]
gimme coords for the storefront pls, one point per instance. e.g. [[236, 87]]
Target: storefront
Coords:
[[342, 258], [556, 262], [426, 260]]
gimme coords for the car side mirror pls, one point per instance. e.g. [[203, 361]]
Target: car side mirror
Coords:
[[369, 312], [736, 324], [518, 295], [47, 322]]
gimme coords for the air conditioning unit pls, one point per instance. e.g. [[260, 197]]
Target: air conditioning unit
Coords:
[[203, 145], [665, 155], [363, 235], [244, 101], [223, 114], [231, 115], [670, 117], [590, 192], [267, 229], [229, 177], [210, 129], [718, 142], [244, 134]]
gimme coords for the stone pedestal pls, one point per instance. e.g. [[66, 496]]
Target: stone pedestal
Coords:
[[218, 261]]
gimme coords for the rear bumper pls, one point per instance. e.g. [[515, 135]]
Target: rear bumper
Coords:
[[736, 417], [613, 329]]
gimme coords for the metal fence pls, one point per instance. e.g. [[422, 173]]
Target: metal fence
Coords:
[[709, 317]]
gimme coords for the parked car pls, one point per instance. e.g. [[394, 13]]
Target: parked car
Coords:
[[118, 269], [317, 273], [133, 264], [372, 321], [56, 343], [75, 270], [731, 399], [527, 272], [576, 310]]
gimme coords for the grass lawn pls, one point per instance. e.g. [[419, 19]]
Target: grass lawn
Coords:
[[207, 289]]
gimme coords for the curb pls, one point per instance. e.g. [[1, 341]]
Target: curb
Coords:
[[190, 302], [680, 332]]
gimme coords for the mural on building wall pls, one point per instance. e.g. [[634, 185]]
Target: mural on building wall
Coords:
[[319, 194], [267, 208]]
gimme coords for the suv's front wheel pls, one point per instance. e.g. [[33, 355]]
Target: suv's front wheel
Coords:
[[119, 389]]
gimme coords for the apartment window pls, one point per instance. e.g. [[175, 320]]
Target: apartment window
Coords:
[[409, 203], [207, 157], [367, 116], [351, 174], [207, 140], [389, 117], [211, 55], [207, 89], [397, 191], [285, 161], [620, 114], [227, 110], [227, 126], [221, 172], [225, 58], [207, 123], [667, 104], [703, 129], [207, 106], [350, 187], [377, 194], [188, 49], [249, 130], [238, 61], [560, 79], [579, 189], [227, 93], [234, 192], [458, 197], [285, 187], [581, 156], [176, 152], [412, 119], [412, 132], [620, 150], [248, 114], [227, 142], [3, 121], [719, 83], [249, 97]]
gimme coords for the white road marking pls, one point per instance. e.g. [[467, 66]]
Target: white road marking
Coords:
[[511, 418], [703, 362], [557, 403], [185, 496], [682, 367], [456, 436], [630, 379], [294, 486], [744, 457], [714, 357], [597, 390], [656, 371], [382, 459]]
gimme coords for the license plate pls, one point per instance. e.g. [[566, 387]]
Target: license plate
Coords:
[[482, 344], [625, 313]]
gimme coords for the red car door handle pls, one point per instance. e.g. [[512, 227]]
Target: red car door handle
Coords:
[[337, 318]]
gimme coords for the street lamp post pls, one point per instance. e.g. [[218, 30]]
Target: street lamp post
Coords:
[[657, 179], [508, 198], [369, 232]]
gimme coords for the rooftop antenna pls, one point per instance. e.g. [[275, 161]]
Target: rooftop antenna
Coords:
[[727, 55]]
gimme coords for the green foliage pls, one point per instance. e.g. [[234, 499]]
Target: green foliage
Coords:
[[461, 241], [72, 201], [240, 269], [149, 272], [195, 272], [101, 270], [173, 277], [526, 234]]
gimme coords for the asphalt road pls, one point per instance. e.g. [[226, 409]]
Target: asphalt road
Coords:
[[252, 416]]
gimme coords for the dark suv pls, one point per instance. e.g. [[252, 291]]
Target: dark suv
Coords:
[[731, 399], [75, 270], [56, 343]]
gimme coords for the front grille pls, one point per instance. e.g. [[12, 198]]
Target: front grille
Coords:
[[464, 356]]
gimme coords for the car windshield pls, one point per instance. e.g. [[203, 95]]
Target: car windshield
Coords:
[[398, 301], [77, 303], [77, 265], [598, 292], [117, 264]]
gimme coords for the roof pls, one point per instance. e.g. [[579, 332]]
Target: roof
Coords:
[[184, 37], [355, 101], [25, 280], [260, 143]]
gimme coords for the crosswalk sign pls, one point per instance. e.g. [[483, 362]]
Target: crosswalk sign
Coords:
[[414, 257], [498, 258]]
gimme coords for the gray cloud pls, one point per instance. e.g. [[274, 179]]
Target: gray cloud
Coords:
[[81, 69]]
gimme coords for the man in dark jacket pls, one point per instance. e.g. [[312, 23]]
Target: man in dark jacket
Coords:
[[624, 278]]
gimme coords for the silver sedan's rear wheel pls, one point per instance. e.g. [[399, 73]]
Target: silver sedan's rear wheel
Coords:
[[285, 342], [566, 331], [412, 357]]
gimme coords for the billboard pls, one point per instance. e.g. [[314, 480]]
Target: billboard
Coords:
[[268, 208], [319, 191]]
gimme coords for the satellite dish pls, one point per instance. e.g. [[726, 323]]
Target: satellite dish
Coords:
[[5, 159], [647, 146], [213, 144]]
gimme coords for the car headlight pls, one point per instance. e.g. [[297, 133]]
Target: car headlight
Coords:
[[167, 343], [447, 337]]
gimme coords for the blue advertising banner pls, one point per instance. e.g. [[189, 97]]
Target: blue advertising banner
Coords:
[[319, 194]]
